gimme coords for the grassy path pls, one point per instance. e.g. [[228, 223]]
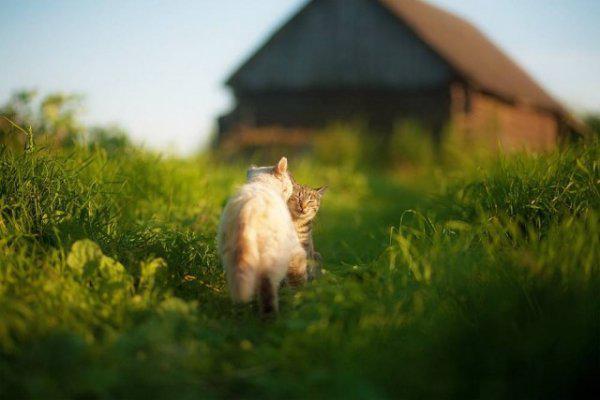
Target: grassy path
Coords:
[[110, 286], [355, 231]]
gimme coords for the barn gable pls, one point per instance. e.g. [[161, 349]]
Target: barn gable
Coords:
[[341, 44]]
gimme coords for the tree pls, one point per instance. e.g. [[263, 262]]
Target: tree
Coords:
[[55, 119], [19, 110]]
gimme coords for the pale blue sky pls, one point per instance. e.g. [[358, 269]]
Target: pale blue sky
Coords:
[[157, 67]]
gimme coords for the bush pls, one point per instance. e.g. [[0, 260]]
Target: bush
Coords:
[[412, 146], [340, 145], [54, 120], [111, 138]]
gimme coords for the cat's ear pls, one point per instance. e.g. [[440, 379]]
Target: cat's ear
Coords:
[[321, 190], [281, 167]]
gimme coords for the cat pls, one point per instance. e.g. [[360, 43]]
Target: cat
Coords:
[[256, 240], [304, 204]]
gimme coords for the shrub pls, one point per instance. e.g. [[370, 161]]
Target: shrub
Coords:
[[412, 146]]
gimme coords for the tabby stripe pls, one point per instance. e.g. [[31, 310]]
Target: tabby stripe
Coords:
[[304, 223]]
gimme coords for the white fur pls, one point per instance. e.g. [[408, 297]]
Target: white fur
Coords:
[[256, 235]]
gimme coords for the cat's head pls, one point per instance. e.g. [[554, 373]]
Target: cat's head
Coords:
[[278, 171], [305, 202]]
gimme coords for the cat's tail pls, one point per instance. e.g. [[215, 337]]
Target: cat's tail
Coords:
[[267, 296], [243, 282]]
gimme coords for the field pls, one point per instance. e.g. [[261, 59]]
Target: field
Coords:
[[475, 279]]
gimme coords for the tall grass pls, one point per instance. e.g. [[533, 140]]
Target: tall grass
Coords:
[[474, 281]]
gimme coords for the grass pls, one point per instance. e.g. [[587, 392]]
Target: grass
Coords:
[[470, 282]]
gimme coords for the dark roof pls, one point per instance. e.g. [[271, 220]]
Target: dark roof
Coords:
[[472, 56], [471, 53]]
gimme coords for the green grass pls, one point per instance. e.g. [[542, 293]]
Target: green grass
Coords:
[[470, 282]]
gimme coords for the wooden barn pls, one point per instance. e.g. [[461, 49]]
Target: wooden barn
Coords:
[[384, 61]]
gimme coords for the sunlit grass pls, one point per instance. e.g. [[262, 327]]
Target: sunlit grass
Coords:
[[464, 282]]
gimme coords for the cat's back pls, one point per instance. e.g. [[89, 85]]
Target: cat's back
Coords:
[[259, 207], [264, 204]]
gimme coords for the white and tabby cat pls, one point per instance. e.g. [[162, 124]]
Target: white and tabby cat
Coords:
[[304, 205], [257, 241]]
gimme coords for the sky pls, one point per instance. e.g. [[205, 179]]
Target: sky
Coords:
[[157, 67]]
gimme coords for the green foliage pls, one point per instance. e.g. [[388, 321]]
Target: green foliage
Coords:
[[479, 281], [411, 146], [593, 123], [58, 118], [533, 190], [111, 138], [353, 146], [101, 273], [55, 120], [340, 145]]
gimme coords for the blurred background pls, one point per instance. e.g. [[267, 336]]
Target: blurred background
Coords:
[[154, 72], [450, 271]]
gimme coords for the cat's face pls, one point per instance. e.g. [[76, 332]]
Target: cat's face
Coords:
[[305, 202], [279, 171]]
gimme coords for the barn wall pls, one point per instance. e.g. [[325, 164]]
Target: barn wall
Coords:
[[316, 109], [484, 119]]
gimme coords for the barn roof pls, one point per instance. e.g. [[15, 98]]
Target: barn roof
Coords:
[[472, 56], [471, 53]]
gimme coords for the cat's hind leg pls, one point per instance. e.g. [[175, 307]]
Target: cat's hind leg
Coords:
[[268, 302], [242, 284]]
